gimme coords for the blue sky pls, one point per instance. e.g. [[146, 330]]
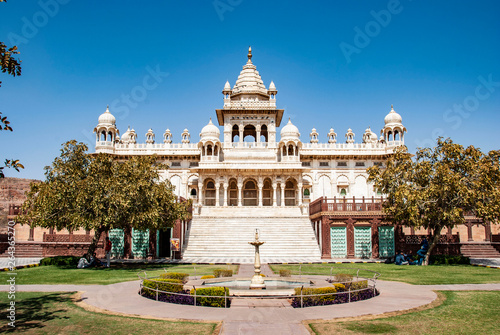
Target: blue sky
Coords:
[[337, 64]]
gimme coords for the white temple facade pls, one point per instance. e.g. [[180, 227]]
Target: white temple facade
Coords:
[[248, 162]]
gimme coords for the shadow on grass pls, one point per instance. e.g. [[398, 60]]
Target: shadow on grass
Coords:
[[33, 313]]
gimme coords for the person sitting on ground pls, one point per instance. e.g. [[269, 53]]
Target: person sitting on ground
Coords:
[[400, 259], [409, 258]]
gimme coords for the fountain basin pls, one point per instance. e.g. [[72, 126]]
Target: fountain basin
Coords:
[[274, 286]]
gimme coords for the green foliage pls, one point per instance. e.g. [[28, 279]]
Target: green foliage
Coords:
[[339, 287], [176, 275], [207, 277], [162, 284], [60, 260], [448, 260], [342, 278], [285, 273], [98, 192], [223, 273], [321, 295], [436, 188], [11, 66], [211, 291]]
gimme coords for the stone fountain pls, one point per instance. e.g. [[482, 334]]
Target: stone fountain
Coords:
[[257, 282]]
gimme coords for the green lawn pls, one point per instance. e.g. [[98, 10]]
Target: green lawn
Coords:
[[116, 273], [55, 313], [419, 275], [463, 312]]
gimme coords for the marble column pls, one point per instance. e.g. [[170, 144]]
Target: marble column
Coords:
[[217, 188], [240, 194], [274, 194], [225, 194], [260, 194], [299, 186], [282, 194]]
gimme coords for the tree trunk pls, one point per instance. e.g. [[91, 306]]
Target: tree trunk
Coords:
[[95, 240], [435, 240]]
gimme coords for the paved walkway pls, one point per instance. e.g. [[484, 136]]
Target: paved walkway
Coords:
[[255, 316]]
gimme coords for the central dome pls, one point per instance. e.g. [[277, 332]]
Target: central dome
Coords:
[[249, 80]]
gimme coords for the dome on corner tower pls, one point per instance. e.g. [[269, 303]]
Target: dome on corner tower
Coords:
[[393, 117], [107, 118], [290, 131], [210, 131]]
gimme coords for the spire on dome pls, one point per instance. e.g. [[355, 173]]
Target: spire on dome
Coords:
[[249, 55]]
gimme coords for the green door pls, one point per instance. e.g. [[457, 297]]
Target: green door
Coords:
[[116, 237], [362, 242], [338, 242], [140, 243], [386, 241]]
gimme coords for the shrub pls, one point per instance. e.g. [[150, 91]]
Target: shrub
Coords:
[[223, 273], [176, 275], [448, 259], [207, 277], [339, 287], [317, 300], [164, 284], [285, 273], [342, 277], [211, 291], [60, 260]]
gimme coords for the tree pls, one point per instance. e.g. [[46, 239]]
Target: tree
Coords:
[[437, 187], [98, 192], [12, 66]]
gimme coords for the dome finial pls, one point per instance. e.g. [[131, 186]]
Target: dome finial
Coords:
[[392, 107], [250, 54]]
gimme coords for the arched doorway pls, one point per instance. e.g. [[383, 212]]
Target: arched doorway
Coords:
[[290, 191], [233, 193], [250, 197], [267, 193], [210, 193]]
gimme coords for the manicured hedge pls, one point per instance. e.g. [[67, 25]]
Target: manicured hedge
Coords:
[[330, 298], [211, 291], [176, 275], [60, 260], [208, 277], [223, 273], [164, 284]]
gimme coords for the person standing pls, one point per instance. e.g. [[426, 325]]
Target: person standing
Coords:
[[107, 250]]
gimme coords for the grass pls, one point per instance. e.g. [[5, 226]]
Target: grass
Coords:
[[102, 276], [418, 275], [462, 312], [56, 313]]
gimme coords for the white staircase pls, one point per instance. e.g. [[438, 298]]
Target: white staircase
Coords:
[[221, 235]]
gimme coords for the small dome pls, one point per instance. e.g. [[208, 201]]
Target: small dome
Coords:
[[369, 136], [129, 136], [289, 130], [210, 130], [272, 87], [393, 117], [227, 87], [107, 118]]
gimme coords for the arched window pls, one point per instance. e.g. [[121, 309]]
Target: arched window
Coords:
[[290, 150], [249, 133], [290, 193], [307, 193], [235, 135], [210, 194], [233, 193], [103, 136], [263, 134], [250, 194], [209, 150], [267, 193]]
